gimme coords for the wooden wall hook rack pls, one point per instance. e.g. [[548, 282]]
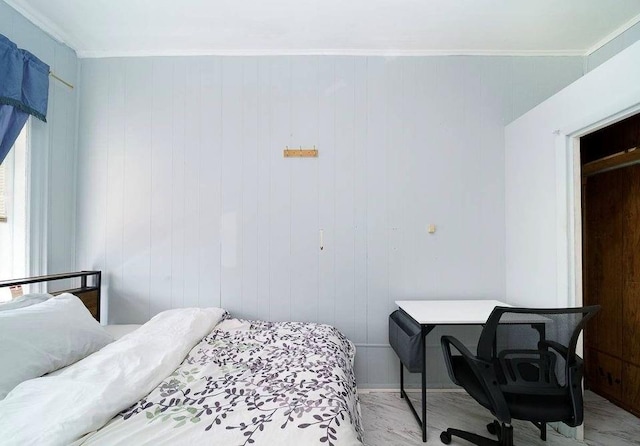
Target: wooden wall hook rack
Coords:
[[300, 153]]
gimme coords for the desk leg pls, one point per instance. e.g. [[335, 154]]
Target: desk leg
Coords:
[[401, 380], [426, 329], [424, 392], [422, 421], [424, 396]]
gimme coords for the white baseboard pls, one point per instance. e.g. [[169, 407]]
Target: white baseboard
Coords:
[[363, 391]]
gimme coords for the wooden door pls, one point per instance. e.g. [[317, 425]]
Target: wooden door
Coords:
[[631, 293], [612, 279], [603, 260], [631, 388]]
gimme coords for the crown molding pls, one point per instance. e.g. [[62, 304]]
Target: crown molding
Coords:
[[608, 38], [64, 37], [43, 23], [326, 52]]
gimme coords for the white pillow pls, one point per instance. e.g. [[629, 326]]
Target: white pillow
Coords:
[[41, 338], [25, 301]]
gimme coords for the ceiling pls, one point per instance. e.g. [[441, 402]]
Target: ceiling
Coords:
[[99, 28]]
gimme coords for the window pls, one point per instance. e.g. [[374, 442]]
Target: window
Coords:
[[13, 213], [3, 206]]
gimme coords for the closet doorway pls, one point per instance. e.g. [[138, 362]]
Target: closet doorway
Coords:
[[610, 159]]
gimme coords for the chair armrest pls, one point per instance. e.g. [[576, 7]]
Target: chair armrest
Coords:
[[447, 341], [564, 351], [484, 372], [475, 363]]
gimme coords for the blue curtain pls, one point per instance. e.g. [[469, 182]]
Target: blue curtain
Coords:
[[24, 91]]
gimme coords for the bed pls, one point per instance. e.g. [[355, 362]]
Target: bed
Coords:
[[193, 375]]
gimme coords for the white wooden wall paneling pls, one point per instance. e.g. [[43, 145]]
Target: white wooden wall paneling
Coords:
[[344, 246], [263, 184], [327, 190], [161, 167], [136, 185], [250, 300], [379, 82], [194, 204], [193, 148], [232, 186], [119, 305], [606, 52], [304, 256], [360, 156], [280, 191], [179, 195], [211, 168]]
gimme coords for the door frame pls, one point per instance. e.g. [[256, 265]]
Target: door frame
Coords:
[[569, 221], [569, 214]]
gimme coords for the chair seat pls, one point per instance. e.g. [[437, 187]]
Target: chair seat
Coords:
[[538, 408]]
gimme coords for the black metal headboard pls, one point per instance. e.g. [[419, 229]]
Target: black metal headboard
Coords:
[[89, 294]]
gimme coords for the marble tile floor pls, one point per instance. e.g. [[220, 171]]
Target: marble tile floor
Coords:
[[388, 421]]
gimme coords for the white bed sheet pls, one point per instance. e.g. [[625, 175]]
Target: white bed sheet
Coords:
[[119, 330], [59, 408]]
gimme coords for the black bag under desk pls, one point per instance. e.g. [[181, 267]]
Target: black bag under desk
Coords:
[[405, 337]]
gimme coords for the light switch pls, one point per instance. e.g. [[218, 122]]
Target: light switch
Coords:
[[431, 229]]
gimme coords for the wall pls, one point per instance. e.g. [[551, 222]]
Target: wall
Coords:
[[184, 197], [53, 151], [606, 52], [538, 178]]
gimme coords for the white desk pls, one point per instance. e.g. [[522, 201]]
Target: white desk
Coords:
[[449, 312], [429, 314]]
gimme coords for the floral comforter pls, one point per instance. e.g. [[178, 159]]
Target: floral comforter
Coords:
[[262, 383]]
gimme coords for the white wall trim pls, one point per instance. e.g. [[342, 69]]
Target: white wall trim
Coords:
[[64, 37], [578, 130], [37, 207], [43, 23], [368, 390], [569, 208], [608, 38], [569, 218], [574, 241], [88, 54]]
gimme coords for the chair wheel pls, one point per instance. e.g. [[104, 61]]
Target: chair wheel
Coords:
[[445, 437], [491, 427]]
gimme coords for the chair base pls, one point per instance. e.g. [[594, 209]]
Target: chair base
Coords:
[[503, 431]]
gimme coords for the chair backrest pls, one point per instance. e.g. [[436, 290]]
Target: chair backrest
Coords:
[[535, 351]]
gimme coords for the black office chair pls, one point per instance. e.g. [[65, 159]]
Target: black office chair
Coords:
[[526, 368]]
